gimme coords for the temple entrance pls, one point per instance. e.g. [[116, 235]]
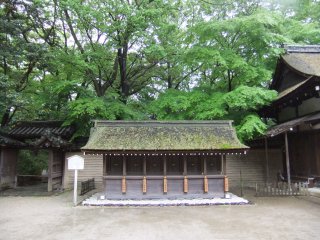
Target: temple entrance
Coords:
[[32, 170]]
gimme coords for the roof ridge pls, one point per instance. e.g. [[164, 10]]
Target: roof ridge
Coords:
[[103, 123], [295, 48]]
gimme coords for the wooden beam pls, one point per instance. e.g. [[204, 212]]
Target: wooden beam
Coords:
[[287, 159]]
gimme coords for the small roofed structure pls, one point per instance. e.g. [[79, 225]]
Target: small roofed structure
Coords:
[[35, 135], [53, 133], [163, 158]]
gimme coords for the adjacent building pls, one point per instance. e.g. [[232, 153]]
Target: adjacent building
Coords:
[[297, 112], [163, 158]]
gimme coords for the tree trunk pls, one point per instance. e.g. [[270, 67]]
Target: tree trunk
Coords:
[[124, 83], [6, 117], [229, 81]]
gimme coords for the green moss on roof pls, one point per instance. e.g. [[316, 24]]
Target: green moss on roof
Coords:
[[186, 135]]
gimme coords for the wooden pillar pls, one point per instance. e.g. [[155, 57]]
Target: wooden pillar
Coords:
[[123, 185], [226, 184], [144, 185], [185, 167], [185, 184], [287, 159], [66, 173], [105, 164], [223, 164], [124, 166], [317, 152], [164, 165], [1, 164], [50, 165], [205, 166], [165, 184], [205, 184], [267, 159], [144, 165]]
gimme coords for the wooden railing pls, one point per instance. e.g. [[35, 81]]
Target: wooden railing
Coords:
[[87, 186], [281, 189]]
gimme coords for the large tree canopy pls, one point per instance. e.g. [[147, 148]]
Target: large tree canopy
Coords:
[[79, 60]]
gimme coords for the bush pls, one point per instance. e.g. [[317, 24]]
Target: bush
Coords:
[[31, 162]]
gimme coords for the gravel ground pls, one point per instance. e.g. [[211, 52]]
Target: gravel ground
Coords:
[[54, 217]]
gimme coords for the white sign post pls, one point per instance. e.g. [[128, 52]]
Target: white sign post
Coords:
[[75, 163]]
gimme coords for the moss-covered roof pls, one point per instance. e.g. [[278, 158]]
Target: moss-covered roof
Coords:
[[306, 63], [166, 136]]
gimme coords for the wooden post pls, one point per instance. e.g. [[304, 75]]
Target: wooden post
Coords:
[[205, 166], [50, 165], [144, 165], [287, 159], [123, 185], [185, 184], [185, 167], [224, 164], [124, 166], [165, 184], [164, 166], [317, 151], [205, 184], [226, 184], [105, 164], [144, 185], [267, 159]]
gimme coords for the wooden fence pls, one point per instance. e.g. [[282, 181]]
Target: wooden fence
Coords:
[[281, 189], [87, 186]]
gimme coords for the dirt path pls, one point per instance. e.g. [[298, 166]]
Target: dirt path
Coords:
[[55, 218]]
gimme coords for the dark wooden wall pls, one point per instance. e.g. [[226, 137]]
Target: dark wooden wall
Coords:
[[304, 153], [8, 167]]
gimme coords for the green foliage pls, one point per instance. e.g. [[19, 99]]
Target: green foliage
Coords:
[[82, 111], [77, 60], [32, 163], [251, 126], [245, 98], [237, 105]]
